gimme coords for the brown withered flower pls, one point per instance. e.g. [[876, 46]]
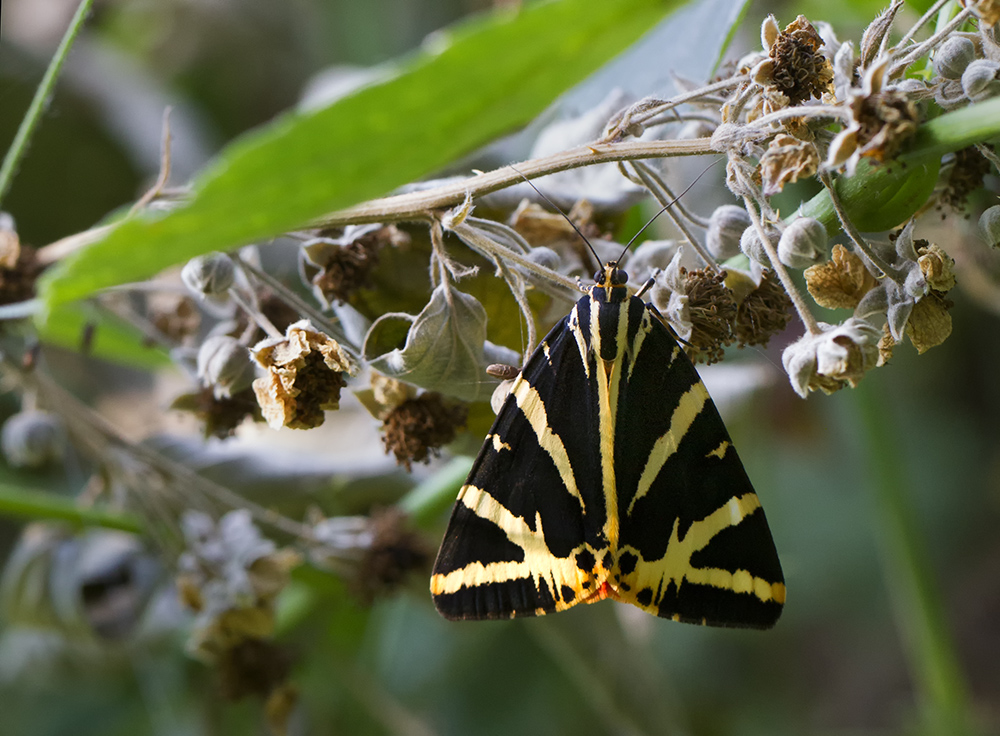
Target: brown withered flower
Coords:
[[967, 173], [937, 266], [417, 428], [372, 553], [929, 323], [786, 160], [762, 313], [798, 70], [221, 415], [346, 264], [305, 372], [712, 311], [840, 282]]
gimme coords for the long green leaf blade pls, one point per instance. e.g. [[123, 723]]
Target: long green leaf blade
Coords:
[[493, 74]]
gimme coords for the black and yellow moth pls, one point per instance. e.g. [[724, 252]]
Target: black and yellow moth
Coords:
[[609, 473]]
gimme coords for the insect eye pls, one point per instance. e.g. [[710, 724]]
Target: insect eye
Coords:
[[619, 277], [598, 277]]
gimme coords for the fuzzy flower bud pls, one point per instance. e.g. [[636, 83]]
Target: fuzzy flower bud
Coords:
[[31, 439], [803, 243], [954, 55], [752, 247], [840, 355], [223, 364], [989, 226], [209, 275], [980, 79], [725, 228]]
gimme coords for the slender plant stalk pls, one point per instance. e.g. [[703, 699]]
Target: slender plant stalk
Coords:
[[41, 100], [25, 504], [940, 685]]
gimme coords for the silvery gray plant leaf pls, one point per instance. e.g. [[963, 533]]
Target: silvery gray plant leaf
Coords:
[[445, 346]]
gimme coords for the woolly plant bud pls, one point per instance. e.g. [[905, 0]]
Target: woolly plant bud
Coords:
[[989, 225], [224, 364], [545, 257], [803, 243], [31, 439], [979, 80], [725, 228], [954, 56], [752, 247], [208, 275]]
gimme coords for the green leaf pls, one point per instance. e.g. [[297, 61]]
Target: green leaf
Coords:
[[490, 76], [111, 340]]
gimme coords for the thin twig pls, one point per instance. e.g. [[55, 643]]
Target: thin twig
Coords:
[[41, 99], [161, 180]]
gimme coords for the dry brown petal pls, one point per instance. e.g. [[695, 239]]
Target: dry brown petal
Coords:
[[390, 393], [543, 228], [885, 346], [786, 160], [270, 574], [930, 322], [988, 10], [417, 428], [840, 282], [937, 266], [763, 313], [304, 376]]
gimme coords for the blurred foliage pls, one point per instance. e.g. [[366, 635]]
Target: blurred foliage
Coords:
[[837, 662]]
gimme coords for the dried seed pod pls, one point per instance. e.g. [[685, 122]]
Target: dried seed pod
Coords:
[[725, 228], [32, 439], [980, 79], [803, 243], [989, 226], [209, 275], [224, 364], [953, 56]]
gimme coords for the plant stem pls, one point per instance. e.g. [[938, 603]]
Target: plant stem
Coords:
[[940, 685], [26, 504], [41, 99]]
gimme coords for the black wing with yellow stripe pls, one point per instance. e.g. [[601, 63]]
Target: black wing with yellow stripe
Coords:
[[609, 474]]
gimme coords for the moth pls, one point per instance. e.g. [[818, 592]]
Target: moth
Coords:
[[609, 474]]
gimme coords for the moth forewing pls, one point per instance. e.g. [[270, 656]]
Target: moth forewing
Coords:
[[609, 473]]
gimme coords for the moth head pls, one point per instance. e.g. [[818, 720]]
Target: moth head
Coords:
[[611, 276]]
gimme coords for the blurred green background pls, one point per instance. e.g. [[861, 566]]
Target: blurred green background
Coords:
[[833, 472]]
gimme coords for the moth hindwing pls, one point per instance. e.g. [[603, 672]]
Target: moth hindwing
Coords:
[[609, 473]]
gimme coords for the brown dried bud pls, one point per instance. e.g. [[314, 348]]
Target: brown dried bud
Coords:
[[937, 267], [786, 160], [345, 266], [395, 551], [416, 429], [305, 372], [840, 282], [967, 174], [885, 121], [712, 310], [801, 71], [763, 313]]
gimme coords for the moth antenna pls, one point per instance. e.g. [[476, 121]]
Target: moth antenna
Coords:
[[565, 216], [665, 207]]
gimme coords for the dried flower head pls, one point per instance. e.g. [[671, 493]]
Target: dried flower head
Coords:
[[220, 415], [937, 267], [342, 266], [836, 357], [929, 323], [230, 575], [884, 119], [305, 372], [800, 70], [175, 316], [786, 160], [966, 175], [417, 428], [762, 313], [374, 553], [840, 282]]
